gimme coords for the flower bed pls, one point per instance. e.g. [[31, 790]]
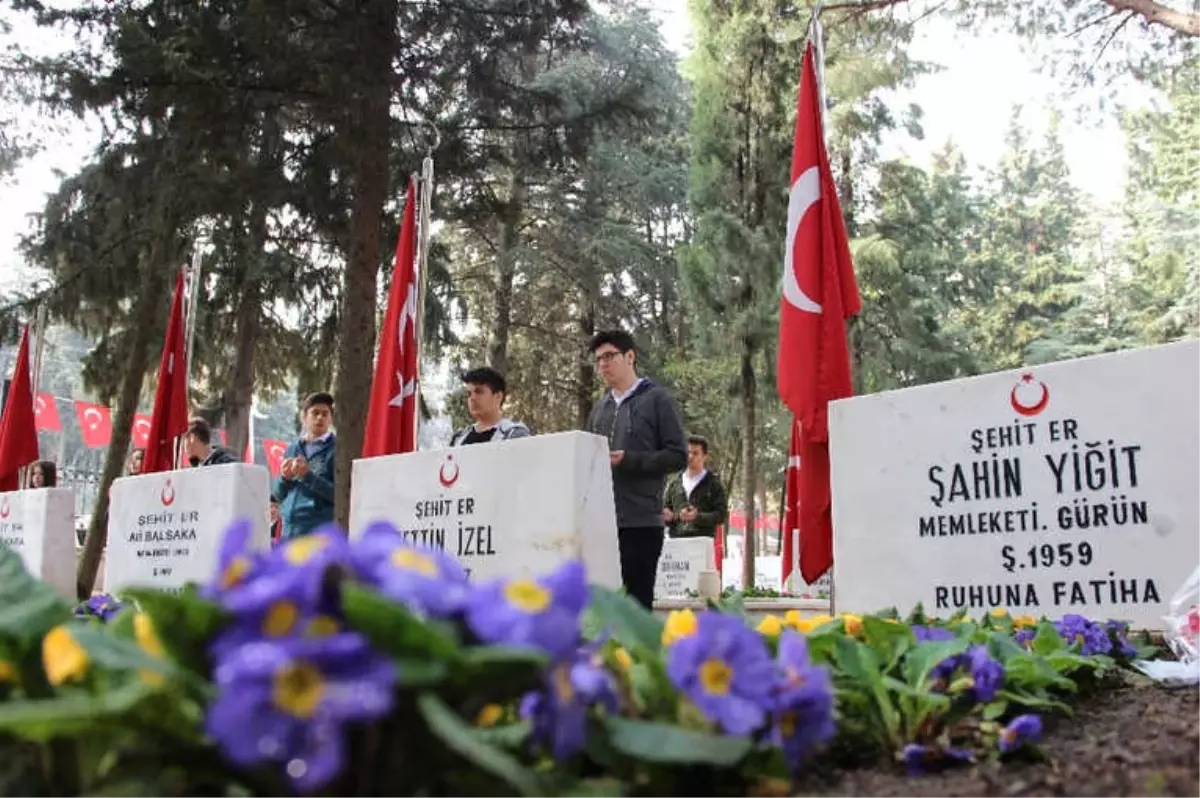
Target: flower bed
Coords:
[[376, 668]]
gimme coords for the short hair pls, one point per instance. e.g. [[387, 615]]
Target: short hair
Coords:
[[318, 398], [698, 440], [49, 473], [622, 340], [199, 429], [486, 375]]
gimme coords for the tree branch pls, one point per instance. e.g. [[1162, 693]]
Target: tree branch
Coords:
[[1156, 13]]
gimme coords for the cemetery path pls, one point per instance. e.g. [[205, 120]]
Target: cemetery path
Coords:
[[1133, 740]]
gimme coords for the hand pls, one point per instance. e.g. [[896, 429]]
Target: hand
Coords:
[[300, 468], [286, 468], [615, 458], [689, 514], [668, 516]]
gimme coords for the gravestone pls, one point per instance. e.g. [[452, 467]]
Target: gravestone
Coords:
[[39, 525], [1063, 488], [680, 565], [165, 529], [513, 508]]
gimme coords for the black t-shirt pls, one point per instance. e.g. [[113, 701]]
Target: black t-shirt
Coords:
[[475, 436]]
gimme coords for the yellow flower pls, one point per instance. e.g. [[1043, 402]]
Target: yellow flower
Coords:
[[999, 612], [149, 642], [1022, 621], [489, 716], [624, 661], [8, 674], [792, 619], [62, 656], [852, 624], [770, 626], [891, 620], [680, 624]]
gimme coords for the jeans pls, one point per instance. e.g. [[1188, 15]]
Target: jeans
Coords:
[[640, 550]]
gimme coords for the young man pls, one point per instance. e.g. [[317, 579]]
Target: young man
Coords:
[[696, 503], [486, 392], [199, 446], [645, 440], [305, 485]]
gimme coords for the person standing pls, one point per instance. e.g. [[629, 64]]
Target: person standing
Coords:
[[305, 484], [644, 428], [486, 392], [695, 502], [44, 474], [199, 448]]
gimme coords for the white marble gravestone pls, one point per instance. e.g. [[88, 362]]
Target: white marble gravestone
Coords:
[[680, 565], [165, 529], [1064, 488], [518, 507], [39, 524]]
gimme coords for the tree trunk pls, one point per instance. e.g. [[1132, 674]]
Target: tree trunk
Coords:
[[152, 305], [506, 271], [367, 134], [749, 391]]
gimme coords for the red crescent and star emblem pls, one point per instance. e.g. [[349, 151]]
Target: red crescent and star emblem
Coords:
[[448, 481], [168, 494], [1026, 399]]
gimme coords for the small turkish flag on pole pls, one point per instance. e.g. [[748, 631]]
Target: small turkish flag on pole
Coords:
[[18, 430], [819, 294], [391, 415], [169, 419], [45, 411]]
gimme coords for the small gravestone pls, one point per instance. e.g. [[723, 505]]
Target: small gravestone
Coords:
[[1055, 489], [165, 529], [513, 508], [680, 565], [38, 524]]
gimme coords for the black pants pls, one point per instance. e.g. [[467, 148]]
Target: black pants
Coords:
[[640, 549]]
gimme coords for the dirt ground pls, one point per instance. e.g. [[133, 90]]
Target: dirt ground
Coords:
[[1134, 740]]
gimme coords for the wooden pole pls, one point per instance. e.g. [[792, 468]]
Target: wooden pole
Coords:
[[424, 209]]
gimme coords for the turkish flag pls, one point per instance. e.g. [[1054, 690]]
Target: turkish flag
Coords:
[[18, 429], [169, 418], [274, 451], [819, 294], [391, 416], [140, 431], [45, 413], [95, 423]]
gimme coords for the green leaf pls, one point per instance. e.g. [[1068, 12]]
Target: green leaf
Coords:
[[500, 672], [857, 660], [626, 621], [666, 744], [420, 672], [28, 607], [924, 657], [995, 709], [890, 639], [464, 740], [107, 650], [393, 630], [70, 714], [511, 735], [1047, 640], [183, 621]]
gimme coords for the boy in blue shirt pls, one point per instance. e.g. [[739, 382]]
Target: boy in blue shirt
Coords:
[[305, 485]]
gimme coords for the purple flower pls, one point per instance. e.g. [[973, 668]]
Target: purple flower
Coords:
[[100, 605], [725, 670], [429, 582], [1091, 636], [986, 673], [559, 712], [542, 613], [1024, 637], [925, 758], [1117, 634], [1023, 729], [287, 703], [932, 634], [294, 571], [803, 702]]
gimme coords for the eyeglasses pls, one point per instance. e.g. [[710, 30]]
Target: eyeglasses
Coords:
[[607, 357]]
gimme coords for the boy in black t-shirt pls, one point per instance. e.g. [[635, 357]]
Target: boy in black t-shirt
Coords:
[[486, 392]]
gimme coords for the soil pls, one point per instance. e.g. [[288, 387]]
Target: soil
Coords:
[[1133, 740]]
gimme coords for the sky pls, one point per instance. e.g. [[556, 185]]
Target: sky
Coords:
[[968, 102]]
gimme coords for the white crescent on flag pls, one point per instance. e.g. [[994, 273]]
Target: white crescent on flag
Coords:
[[89, 413], [276, 452], [38, 405], [804, 194]]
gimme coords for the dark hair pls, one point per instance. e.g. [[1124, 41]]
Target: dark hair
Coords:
[[199, 429], [49, 473], [698, 440], [274, 499], [486, 375], [622, 340], [318, 398]]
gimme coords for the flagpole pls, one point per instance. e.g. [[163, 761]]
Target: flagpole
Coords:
[[424, 208], [192, 286]]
